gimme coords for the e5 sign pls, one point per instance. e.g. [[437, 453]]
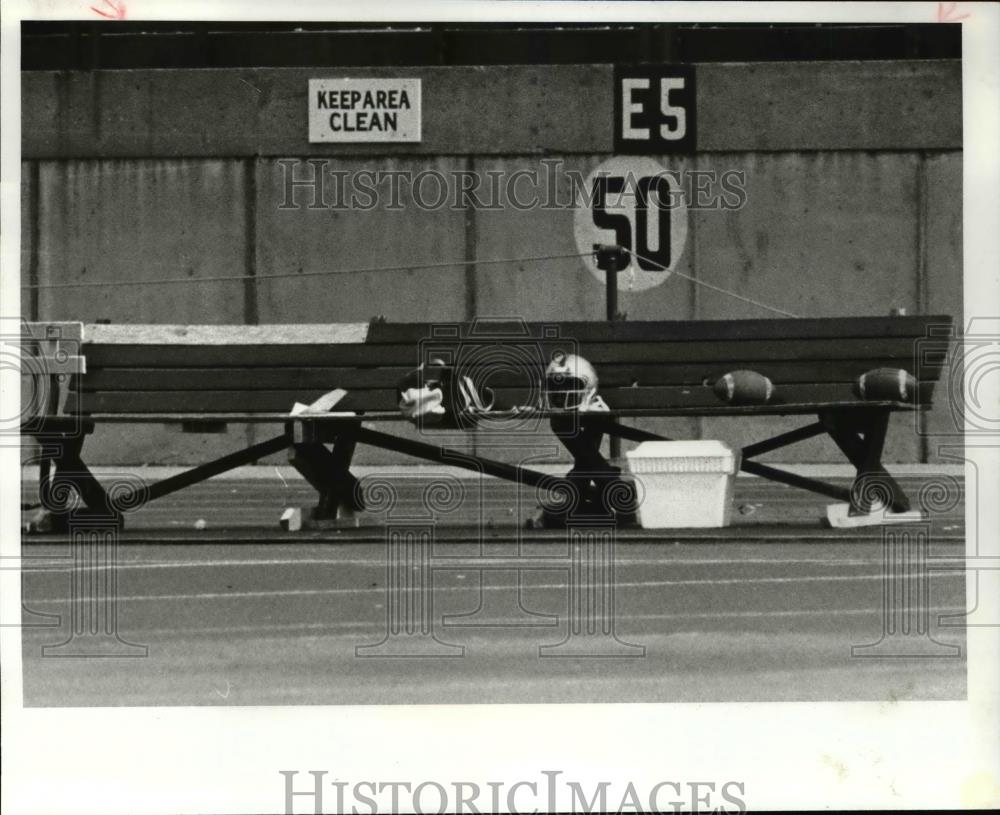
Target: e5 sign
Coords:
[[654, 109]]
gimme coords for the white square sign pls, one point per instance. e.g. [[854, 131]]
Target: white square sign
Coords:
[[364, 110]]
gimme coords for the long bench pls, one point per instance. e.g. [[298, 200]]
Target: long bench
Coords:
[[204, 377]]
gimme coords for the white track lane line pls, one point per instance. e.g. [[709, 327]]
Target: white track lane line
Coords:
[[353, 625], [242, 595], [66, 562]]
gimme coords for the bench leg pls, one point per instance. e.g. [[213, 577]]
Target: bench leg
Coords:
[[862, 440], [71, 466], [599, 491], [62, 473], [330, 475]]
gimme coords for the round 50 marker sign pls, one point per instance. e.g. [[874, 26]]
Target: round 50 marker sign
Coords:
[[633, 201]]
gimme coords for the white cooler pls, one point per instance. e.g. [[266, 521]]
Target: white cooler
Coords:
[[684, 483]]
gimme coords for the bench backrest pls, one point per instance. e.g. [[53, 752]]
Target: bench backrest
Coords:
[[643, 366], [51, 361]]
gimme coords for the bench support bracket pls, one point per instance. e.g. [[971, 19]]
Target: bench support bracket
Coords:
[[70, 470], [590, 474], [328, 471], [62, 473], [598, 490], [862, 438]]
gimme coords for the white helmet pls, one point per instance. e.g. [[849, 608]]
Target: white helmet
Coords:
[[570, 383]]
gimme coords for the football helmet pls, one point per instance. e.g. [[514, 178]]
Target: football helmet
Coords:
[[570, 384]]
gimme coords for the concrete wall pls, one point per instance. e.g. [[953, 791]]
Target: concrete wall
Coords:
[[853, 180], [492, 110]]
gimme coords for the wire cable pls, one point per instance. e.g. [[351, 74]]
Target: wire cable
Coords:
[[244, 278], [400, 268], [712, 286]]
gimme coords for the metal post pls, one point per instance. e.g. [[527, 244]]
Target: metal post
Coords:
[[611, 293], [612, 258]]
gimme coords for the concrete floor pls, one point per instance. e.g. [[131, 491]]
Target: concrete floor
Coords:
[[239, 613]]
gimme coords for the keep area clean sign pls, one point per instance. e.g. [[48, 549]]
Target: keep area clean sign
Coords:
[[364, 110]]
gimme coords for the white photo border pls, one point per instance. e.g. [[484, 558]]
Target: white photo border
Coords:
[[221, 759]]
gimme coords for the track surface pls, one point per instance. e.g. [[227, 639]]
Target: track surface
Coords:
[[239, 614]]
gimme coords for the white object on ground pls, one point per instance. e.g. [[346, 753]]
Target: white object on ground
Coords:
[[686, 484], [839, 517], [291, 519]]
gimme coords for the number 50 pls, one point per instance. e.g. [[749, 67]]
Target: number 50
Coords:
[[649, 258]]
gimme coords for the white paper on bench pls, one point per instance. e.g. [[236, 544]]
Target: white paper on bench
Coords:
[[322, 405]]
